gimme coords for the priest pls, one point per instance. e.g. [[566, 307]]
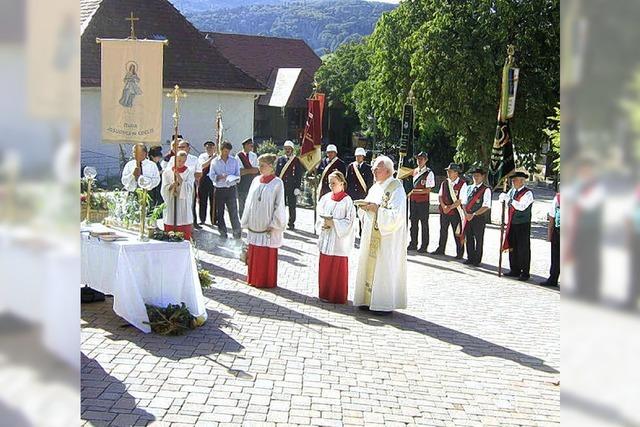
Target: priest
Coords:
[[290, 171], [381, 280], [139, 165], [336, 231], [264, 218], [178, 182], [327, 165]]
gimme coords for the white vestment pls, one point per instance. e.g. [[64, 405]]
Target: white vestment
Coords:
[[149, 169], [192, 163], [265, 208], [337, 240], [185, 198], [387, 261]]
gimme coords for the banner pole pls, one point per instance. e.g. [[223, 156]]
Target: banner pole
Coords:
[[504, 205]]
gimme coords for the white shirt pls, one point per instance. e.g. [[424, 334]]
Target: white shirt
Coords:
[[265, 208], [192, 163], [337, 240], [253, 159], [431, 180], [554, 205], [466, 196], [463, 189], [202, 158], [185, 197], [149, 169], [525, 201]]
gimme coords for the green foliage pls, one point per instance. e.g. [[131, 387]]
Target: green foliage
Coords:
[[324, 25], [553, 133], [267, 146], [206, 280], [341, 71], [172, 320], [451, 55]]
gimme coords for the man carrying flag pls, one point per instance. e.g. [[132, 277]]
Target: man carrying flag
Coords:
[[517, 238], [312, 138], [290, 171]]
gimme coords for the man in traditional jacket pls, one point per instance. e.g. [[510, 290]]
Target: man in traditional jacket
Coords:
[[248, 170], [477, 205], [290, 171], [327, 165], [139, 165], [381, 280], [359, 176], [517, 238], [451, 212], [423, 181]]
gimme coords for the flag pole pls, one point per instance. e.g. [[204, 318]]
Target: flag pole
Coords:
[[504, 208], [176, 94]]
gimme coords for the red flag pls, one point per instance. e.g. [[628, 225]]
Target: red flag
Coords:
[[312, 139]]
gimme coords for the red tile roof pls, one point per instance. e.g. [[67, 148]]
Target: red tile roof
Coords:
[[189, 59], [261, 56]]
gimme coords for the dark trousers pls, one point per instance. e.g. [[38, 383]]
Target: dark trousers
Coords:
[[206, 194], [554, 271], [193, 202], [520, 254], [242, 198], [419, 217], [474, 235], [227, 197], [291, 201], [447, 221]]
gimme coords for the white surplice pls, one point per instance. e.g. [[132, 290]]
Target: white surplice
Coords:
[[389, 287], [265, 208], [185, 198], [149, 169], [337, 240]]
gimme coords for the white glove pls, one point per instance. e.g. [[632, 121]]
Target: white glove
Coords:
[[296, 192], [503, 197]]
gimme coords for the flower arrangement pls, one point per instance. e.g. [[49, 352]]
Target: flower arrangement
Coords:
[[173, 320], [206, 280]]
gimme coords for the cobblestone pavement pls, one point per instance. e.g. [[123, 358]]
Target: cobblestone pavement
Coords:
[[471, 349]]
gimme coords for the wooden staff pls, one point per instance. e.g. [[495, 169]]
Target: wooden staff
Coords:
[[176, 94], [504, 207]]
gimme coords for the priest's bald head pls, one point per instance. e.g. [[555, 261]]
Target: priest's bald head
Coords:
[[382, 168], [139, 152]]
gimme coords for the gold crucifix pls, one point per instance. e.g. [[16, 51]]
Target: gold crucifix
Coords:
[[131, 18], [176, 94]]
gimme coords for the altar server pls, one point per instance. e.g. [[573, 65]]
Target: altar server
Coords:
[[178, 181], [264, 218], [139, 165], [336, 231], [381, 281]]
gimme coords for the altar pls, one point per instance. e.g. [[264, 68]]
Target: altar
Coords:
[[138, 273]]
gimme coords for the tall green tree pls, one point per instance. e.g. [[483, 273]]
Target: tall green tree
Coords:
[[451, 54]]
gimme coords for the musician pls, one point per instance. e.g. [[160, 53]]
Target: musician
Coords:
[[327, 165], [359, 176], [451, 212], [477, 204], [139, 165], [423, 181], [290, 171]]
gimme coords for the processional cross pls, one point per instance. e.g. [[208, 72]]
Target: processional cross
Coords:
[[176, 94], [131, 18]]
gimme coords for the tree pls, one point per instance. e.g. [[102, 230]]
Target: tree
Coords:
[[451, 54], [553, 133]]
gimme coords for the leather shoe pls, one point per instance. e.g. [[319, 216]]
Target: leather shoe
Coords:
[[422, 250], [197, 226], [523, 277], [459, 256], [468, 262], [437, 252], [512, 274], [411, 248]]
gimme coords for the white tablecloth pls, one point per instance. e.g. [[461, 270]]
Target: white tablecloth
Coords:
[[138, 273]]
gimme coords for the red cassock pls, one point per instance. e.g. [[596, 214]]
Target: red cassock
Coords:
[[333, 278], [186, 229], [262, 271]]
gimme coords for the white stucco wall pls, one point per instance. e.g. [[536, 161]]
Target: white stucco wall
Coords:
[[197, 124]]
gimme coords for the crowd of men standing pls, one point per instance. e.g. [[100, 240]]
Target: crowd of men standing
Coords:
[[219, 182]]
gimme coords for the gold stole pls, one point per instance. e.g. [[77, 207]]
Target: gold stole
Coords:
[[324, 173], [356, 169], [286, 166], [374, 244]]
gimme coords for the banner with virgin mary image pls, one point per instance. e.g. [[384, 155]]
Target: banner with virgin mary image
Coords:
[[131, 90]]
